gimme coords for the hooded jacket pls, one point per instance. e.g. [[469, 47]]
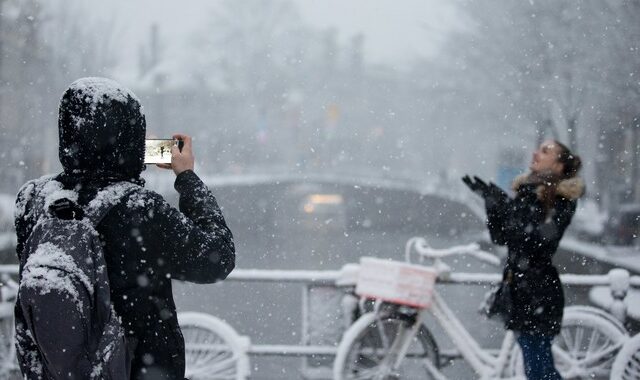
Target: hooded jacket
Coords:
[[532, 235], [147, 242]]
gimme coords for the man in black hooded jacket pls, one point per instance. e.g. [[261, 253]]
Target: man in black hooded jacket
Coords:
[[147, 242]]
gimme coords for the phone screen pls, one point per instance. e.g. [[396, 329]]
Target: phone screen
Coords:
[[158, 151]]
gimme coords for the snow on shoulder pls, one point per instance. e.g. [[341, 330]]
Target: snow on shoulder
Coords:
[[110, 195], [27, 192], [53, 191]]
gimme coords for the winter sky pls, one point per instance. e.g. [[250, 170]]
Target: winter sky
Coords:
[[394, 34]]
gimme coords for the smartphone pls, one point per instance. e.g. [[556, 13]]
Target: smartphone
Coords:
[[158, 151]]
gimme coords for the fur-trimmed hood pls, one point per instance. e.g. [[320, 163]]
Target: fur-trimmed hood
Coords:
[[572, 188]]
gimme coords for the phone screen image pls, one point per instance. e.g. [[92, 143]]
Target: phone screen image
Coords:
[[158, 151]]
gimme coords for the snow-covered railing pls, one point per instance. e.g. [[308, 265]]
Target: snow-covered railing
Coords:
[[8, 269], [334, 276], [7, 241], [567, 279]]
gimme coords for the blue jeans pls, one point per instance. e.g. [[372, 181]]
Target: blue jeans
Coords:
[[538, 360]]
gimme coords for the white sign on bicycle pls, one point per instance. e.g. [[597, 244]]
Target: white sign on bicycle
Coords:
[[397, 282]]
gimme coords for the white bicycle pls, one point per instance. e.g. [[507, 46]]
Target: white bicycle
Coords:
[[213, 348], [627, 363], [392, 341], [8, 362]]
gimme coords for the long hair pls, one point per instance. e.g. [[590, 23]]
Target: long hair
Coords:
[[571, 164]]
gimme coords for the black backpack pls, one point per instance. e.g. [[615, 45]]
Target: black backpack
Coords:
[[71, 330]]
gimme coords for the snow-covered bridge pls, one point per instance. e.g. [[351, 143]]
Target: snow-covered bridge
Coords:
[[395, 200], [448, 191]]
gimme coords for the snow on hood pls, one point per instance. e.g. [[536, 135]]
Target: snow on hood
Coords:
[[102, 128], [98, 90]]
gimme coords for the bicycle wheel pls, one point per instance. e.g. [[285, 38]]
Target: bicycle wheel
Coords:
[[366, 343], [627, 363], [584, 349], [597, 311], [213, 348], [8, 361]]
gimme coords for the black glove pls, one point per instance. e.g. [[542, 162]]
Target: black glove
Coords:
[[476, 185], [492, 193]]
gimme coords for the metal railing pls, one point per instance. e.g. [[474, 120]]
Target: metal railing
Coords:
[[618, 279]]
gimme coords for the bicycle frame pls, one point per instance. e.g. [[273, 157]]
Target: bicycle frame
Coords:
[[486, 365]]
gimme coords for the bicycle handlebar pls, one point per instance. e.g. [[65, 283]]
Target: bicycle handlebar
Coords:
[[423, 249], [486, 257]]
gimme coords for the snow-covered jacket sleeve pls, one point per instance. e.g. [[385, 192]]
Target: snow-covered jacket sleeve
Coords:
[[193, 244]]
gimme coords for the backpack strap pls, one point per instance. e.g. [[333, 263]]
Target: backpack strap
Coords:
[[106, 199], [46, 190]]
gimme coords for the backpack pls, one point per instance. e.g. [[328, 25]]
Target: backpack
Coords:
[[69, 328]]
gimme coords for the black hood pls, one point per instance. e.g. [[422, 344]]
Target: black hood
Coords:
[[102, 130]]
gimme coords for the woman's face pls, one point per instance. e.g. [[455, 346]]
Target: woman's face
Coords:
[[545, 159]]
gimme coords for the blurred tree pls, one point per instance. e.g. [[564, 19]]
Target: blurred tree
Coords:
[[245, 51], [44, 46], [618, 110], [544, 61], [21, 72]]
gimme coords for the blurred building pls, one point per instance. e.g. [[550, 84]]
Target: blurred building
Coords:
[[618, 181]]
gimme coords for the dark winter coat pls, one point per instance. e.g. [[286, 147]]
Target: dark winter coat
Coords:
[[532, 237], [147, 242]]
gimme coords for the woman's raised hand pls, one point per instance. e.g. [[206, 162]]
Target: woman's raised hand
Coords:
[[476, 185]]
